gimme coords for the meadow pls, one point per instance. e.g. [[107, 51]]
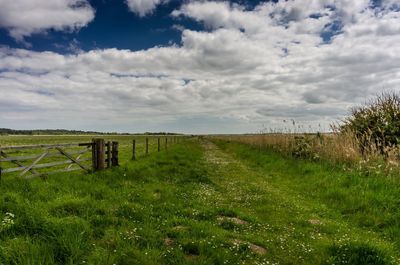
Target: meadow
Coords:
[[202, 201]]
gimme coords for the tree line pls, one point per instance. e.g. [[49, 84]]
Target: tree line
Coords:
[[6, 131]]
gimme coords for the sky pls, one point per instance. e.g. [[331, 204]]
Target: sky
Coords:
[[193, 66]]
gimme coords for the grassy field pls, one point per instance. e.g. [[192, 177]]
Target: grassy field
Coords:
[[200, 202]]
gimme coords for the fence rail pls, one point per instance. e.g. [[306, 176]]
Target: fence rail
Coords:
[[38, 146]]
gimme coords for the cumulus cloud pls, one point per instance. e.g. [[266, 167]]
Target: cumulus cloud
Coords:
[[25, 17], [144, 7], [251, 67]]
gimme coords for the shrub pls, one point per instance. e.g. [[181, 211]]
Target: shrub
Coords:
[[306, 146], [376, 125]]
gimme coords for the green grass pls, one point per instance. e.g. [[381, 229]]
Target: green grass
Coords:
[[199, 204]]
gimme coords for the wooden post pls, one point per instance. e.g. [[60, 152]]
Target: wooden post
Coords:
[[94, 155], [98, 159], [133, 149], [114, 159], [159, 144], [166, 143], [94, 158], [147, 146], [108, 154]]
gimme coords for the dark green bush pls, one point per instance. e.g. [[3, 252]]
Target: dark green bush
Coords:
[[303, 147], [376, 125]]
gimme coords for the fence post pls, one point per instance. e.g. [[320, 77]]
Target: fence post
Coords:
[[94, 158], [166, 143], [108, 154], [133, 149], [98, 160], [147, 146], [114, 159], [159, 144]]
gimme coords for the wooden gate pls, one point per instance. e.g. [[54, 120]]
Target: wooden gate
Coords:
[[40, 160]]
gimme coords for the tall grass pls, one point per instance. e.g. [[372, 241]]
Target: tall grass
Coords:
[[339, 148], [369, 137]]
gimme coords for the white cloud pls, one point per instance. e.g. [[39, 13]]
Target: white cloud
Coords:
[[251, 67], [25, 17], [143, 7]]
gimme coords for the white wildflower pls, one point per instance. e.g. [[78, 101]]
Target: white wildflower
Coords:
[[7, 221]]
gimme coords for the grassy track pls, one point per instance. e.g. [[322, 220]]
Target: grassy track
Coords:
[[342, 217], [201, 203]]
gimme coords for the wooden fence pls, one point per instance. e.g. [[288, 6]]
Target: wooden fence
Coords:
[[35, 158], [40, 160], [173, 140]]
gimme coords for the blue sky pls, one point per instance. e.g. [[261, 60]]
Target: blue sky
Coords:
[[193, 66], [114, 26]]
